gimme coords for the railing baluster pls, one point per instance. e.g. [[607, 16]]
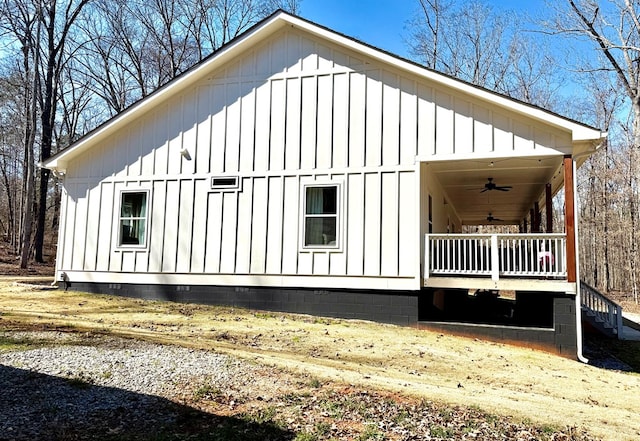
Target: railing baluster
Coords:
[[464, 255], [487, 255], [434, 254]]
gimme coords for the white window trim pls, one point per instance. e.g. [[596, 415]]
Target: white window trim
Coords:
[[340, 233], [120, 246]]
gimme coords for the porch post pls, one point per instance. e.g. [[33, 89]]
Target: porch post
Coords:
[[427, 258], [569, 217], [532, 219], [548, 201], [537, 217]]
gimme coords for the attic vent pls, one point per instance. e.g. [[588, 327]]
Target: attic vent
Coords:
[[225, 183]]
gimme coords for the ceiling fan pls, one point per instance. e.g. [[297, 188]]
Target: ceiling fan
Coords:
[[492, 186], [490, 218]]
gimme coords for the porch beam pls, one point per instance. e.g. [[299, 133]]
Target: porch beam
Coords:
[[569, 218]]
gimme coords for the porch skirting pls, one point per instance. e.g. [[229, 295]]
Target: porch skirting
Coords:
[[561, 338], [394, 307]]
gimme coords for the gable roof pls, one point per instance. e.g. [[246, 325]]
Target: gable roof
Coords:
[[278, 20]]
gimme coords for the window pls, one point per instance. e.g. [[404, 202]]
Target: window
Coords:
[[321, 216], [133, 219]]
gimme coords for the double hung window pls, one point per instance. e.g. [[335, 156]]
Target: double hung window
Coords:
[[321, 216], [133, 219]]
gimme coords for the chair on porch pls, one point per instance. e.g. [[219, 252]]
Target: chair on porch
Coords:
[[546, 260]]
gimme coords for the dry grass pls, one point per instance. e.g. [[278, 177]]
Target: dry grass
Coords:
[[500, 379]]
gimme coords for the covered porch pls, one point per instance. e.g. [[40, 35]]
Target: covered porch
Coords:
[[496, 262], [495, 228]]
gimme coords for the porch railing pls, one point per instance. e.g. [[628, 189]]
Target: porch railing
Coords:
[[605, 311], [496, 255]]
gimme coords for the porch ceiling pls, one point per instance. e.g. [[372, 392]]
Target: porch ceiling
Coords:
[[464, 180]]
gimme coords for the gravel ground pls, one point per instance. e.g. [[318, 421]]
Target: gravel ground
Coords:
[[71, 386], [74, 389]]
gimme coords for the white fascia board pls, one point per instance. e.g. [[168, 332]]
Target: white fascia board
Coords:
[[490, 155]]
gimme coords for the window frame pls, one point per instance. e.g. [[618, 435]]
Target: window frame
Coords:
[[119, 218], [339, 239]]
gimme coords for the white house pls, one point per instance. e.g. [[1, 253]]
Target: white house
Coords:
[[297, 169]]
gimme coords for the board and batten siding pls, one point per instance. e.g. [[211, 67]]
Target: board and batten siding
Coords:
[[252, 232], [292, 111]]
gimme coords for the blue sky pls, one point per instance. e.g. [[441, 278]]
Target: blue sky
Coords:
[[381, 23]]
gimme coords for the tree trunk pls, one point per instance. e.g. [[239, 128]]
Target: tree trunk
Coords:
[[607, 219], [38, 242], [46, 120], [57, 195], [29, 138], [27, 216], [632, 231], [10, 204], [54, 61]]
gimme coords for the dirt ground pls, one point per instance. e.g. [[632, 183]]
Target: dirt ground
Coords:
[[499, 379]]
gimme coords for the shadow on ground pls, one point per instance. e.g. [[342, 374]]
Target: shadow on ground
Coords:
[[38, 406], [610, 353]]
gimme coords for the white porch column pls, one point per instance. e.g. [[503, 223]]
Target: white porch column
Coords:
[[425, 268]]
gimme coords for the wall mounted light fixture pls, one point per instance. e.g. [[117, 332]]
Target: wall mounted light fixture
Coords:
[[185, 154]]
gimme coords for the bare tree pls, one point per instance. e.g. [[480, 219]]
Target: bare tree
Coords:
[[23, 22], [489, 48], [136, 46], [600, 185], [57, 26], [12, 129], [531, 74], [425, 31], [613, 28]]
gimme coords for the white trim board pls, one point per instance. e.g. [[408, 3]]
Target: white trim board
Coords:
[[315, 281]]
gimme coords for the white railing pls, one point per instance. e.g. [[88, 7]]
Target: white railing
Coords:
[[606, 311], [496, 255]]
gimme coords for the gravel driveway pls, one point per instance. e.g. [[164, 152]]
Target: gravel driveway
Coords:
[[75, 390], [73, 386]]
